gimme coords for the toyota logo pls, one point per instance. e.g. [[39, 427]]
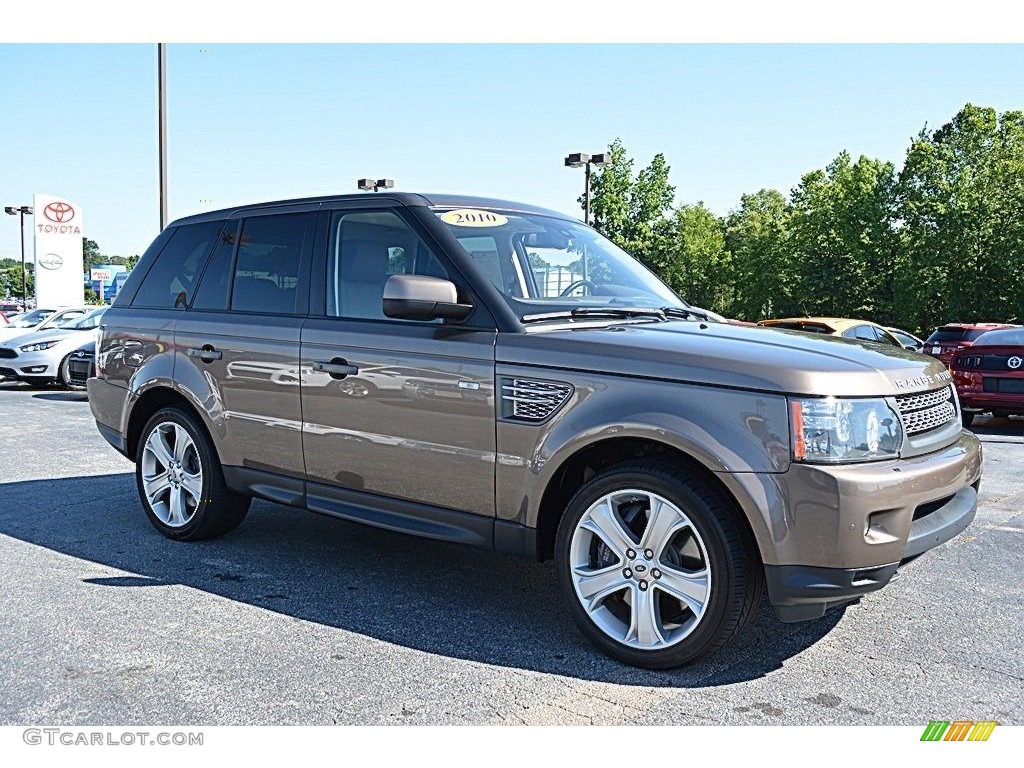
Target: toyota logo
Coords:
[[51, 261], [1014, 362], [59, 212]]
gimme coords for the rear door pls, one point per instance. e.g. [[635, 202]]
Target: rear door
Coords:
[[414, 417], [238, 343]]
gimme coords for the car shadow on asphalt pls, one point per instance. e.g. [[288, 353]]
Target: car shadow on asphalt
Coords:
[[432, 596], [62, 397], [995, 426]]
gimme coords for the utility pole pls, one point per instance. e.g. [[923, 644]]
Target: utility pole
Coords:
[[161, 84]]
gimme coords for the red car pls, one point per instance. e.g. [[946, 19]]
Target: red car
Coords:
[[990, 375], [946, 340]]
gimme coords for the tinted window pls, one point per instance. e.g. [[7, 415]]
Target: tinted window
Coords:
[[974, 334], [171, 280], [267, 266], [884, 337], [905, 339], [947, 334], [216, 280], [861, 332], [366, 248], [1010, 337]]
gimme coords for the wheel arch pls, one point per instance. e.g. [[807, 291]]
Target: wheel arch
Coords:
[[587, 461], [148, 403]]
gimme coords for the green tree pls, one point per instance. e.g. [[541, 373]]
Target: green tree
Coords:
[[91, 253], [690, 256], [629, 209], [960, 201], [842, 237], [10, 279], [763, 275]]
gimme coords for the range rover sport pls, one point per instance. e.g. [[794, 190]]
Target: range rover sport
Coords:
[[503, 376]]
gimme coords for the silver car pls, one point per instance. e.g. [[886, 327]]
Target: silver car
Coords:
[[42, 357]]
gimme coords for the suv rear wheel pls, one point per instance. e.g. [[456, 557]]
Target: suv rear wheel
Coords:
[[180, 479], [654, 565]]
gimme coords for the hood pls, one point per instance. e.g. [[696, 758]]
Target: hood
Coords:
[[764, 359], [28, 336]]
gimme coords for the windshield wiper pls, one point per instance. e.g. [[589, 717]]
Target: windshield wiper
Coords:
[[686, 314], [585, 312]]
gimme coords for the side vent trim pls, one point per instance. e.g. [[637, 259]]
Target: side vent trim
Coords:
[[532, 401]]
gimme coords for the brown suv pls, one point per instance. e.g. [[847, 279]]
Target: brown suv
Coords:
[[495, 374]]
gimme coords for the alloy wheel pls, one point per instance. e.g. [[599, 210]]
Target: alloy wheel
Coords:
[[172, 474], [640, 569]]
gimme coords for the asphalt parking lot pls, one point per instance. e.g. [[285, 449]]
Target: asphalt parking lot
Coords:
[[300, 619]]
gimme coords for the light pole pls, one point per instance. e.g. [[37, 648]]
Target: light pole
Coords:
[[370, 185], [582, 160], [161, 131], [21, 211]]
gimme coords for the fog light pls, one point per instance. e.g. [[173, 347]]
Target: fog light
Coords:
[[34, 369]]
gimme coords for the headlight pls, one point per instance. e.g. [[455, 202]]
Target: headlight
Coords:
[[833, 430], [39, 346]]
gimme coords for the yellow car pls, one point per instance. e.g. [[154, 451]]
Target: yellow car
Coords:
[[863, 330]]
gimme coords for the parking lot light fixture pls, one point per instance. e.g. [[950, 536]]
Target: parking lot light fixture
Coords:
[[583, 160], [20, 211], [371, 185]]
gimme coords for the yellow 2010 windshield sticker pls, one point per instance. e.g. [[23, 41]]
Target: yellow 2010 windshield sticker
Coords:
[[470, 217]]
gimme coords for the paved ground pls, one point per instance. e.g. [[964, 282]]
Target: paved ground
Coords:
[[296, 618]]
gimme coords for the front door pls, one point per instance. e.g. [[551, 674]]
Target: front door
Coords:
[[405, 409]]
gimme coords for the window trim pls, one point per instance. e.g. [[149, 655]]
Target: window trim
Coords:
[[305, 259], [174, 231], [231, 268], [481, 319]]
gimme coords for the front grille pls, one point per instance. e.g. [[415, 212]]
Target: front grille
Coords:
[[926, 411], [8, 373], [80, 370], [532, 400], [932, 506], [7, 353]]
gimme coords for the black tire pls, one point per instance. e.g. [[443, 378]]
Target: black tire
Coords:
[[63, 374], [1001, 414], [220, 509], [967, 418], [737, 576]]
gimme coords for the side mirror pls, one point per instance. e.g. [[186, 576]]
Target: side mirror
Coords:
[[418, 297]]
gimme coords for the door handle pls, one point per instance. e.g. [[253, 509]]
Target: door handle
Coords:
[[338, 368], [207, 353]]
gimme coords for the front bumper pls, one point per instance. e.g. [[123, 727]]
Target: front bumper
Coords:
[[31, 365], [801, 592], [839, 532]]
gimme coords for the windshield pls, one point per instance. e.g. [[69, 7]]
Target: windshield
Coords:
[[31, 319], [1007, 337], [545, 264], [84, 323]]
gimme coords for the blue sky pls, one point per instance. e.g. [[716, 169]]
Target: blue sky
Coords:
[[256, 122]]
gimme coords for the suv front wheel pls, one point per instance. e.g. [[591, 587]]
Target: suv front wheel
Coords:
[[180, 479], [655, 566]]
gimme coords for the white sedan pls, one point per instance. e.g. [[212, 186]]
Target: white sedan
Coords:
[[40, 320], [41, 356]]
